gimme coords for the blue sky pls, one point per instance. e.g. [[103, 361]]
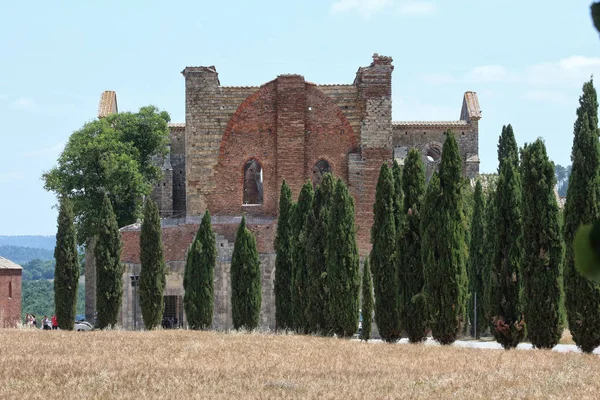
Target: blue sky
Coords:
[[526, 60]]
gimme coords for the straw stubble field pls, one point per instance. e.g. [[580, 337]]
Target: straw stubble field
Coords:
[[212, 365]]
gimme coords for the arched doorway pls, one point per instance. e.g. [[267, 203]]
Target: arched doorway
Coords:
[[253, 183]]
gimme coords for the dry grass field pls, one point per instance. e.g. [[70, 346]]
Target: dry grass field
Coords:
[[211, 365]]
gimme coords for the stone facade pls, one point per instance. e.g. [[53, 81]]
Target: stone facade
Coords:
[[10, 293], [238, 144]]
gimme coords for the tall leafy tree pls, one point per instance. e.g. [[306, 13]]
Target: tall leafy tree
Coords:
[[410, 265], [445, 269], [383, 254], [283, 261], [300, 271], [246, 294], [343, 272], [198, 278], [543, 249], [477, 262], [583, 207], [367, 302], [113, 156], [66, 272], [109, 270], [152, 271], [508, 324], [317, 225]]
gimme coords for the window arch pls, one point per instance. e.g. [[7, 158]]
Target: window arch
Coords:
[[433, 153], [253, 182], [320, 168]]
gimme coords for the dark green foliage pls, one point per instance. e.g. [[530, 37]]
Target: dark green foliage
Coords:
[[316, 244], [152, 272], [367, 302], [246, 294], [410, 266], [383, 258], [444, 247], [37, 297], [508, 325], [38, 269], [595, 11], [477, 262], [300, 271], [398, 195], [343, 272], [109, 270], [543, 250], [22, 255], [113, 156], [490, 246], [198, 279], [66, 274], [582, 296], [283, 261]]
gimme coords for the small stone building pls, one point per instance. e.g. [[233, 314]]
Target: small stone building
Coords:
[[10, 293], [238, 144]]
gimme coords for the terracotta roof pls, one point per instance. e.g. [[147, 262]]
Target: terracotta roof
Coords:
[[429, 123], [108, 103], [7, 264], [176, 125], [470, 109]]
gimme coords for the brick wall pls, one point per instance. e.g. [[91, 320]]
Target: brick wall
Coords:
[[10, 297]]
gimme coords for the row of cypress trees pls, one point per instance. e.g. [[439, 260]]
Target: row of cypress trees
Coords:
[[317, 278]]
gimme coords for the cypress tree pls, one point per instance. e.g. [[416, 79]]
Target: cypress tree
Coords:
[[66, 272], [445, 269], [343, 272], [543, 250], [109, 270], [300, 272], [367, 302], [283, 260], [316, 244], [385, 272], [246, 295], [477, 262], [582, 296], [398, 195], [152, 272], [490, 246], [198, 278], [505, 297], [410, 267]]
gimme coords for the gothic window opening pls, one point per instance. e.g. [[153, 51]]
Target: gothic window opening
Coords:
[[320, 168], [10, 290], [433, 154], [253, 183]]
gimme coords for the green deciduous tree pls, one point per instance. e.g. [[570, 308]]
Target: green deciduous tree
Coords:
[[317, 225], [444, 247], [367, 302], [543, 249], [477, 262], [343, 272], [109, 270], [152, 271], [198, 279], [283, 261], [66, 273], [410, 266], [383, 258], [300, 271], [246, 294], [110, 156], [508, 325], [583, 207]]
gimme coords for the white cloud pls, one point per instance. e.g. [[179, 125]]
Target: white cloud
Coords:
[[417, 7], [547, 96], [24, 103], [7, 177], [55, 149], [368, 8], [488, 73]]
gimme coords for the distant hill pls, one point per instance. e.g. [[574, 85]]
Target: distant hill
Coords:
[[40, 242], [22, 255]]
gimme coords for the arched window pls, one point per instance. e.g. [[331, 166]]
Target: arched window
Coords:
[[433, 153], [10, 290], [253, 183], [320, 168]]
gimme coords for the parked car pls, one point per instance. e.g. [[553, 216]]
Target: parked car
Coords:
[[81, 326]]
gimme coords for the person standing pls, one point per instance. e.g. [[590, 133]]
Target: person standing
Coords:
[[54, 322]]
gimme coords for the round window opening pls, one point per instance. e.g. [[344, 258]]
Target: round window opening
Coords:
[[434, 154]]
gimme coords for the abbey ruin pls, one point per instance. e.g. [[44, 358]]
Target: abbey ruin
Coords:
[[238, 144]]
